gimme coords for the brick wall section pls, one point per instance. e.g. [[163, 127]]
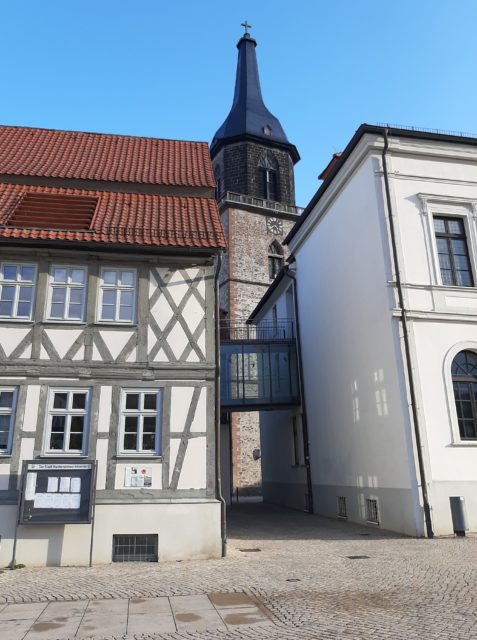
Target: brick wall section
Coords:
[[237, 166]]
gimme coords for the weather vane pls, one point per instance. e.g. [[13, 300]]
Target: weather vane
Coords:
[[246, 26]]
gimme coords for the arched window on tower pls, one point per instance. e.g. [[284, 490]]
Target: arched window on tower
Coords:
[[464, 381], [275, 259], [268, 177], [218, 183]]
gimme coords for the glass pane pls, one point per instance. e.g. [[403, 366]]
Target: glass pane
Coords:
[[6, 308], [127, 298], [8, 292], [130, 442], [6, 399], [56, 440], [23, 309], [461, 262], [78, 276], [58, 294], [75, 311], [149, 424], [79, 400], [148, 441], [459, 247], [57, 310], [109, 296], [60, 274], [60, 400], [447, 277], [455, 226], [150, 400], [77, 424], [3, 440], [27, 273], [131, 424], [109, 277], [76, 442], [25, 294], [76, 296], [9, 272], [444, 261], [439, 225], [127, 278], [464, 279], [4, 422], [132, 401], [442, 246], [58, 423], [125, 313], [107, 313]]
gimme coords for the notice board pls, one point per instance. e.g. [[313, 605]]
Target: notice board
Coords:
[[59, 492]]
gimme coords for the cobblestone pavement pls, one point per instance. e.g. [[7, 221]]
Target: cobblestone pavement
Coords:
[[403, 589]]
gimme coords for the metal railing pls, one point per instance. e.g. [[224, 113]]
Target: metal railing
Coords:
[[240, 198], [267, 330]]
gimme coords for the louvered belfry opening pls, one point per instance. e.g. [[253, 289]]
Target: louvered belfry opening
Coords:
[[54, 211]]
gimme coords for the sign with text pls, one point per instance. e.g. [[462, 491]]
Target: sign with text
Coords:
[[59, 492]]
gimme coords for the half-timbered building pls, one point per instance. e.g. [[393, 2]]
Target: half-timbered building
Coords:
[[108, 249]]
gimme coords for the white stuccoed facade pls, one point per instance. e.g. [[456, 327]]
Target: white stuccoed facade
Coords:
[[361, 429]]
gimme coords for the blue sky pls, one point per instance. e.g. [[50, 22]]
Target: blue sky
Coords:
[[167, 68]]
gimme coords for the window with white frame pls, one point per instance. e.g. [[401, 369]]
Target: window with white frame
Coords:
[[117, 295], [17, 288], [67, 425], [452, 251], [140, 431], [8, 396], [67, 293]]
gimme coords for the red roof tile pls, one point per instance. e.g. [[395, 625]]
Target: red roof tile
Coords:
[[123, 218], [105, 157], [48, 211]]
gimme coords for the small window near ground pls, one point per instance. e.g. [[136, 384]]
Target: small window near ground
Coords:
[[67, 421], [372, 511], [342, 511], [117, 295], [17, 288], [140, 431], [135, 548], [453, 252], [8, 397], [67, 293]]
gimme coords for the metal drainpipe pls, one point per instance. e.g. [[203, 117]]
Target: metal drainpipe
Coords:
[[218, 479], [306, 444], [407, 350]]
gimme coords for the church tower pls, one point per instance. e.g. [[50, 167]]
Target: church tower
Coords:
[[253, 165]]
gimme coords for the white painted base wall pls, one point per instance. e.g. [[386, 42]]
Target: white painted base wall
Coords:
[[186, 531]]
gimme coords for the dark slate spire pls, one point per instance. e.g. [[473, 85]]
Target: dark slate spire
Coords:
[[249, 117]]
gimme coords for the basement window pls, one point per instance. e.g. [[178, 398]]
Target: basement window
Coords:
[[136, 548], [342, 511], [372, 511]]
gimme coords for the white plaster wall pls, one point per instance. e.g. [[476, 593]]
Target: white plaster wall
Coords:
[[69, 545], [358, 421], [10, 337], [31, 408], [105, 405], [4, 475]]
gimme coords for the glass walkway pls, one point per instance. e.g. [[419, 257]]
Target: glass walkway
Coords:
[[259, 368]]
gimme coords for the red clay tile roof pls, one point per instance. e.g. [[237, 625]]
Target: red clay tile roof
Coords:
[[124, 218], [97, 156]]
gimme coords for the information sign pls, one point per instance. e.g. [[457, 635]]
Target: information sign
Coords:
[[59, 492]]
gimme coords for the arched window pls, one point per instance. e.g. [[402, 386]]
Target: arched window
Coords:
[[218, 183], [464, 380], [275, 259], [268, 177]]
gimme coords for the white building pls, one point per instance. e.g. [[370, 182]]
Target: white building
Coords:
[[107, 344], [386, 273]]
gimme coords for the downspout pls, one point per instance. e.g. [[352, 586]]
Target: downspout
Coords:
[[407, 349], [218, 479], [304, 420]]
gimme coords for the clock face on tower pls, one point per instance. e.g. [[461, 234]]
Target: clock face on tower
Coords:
[[275, 226]]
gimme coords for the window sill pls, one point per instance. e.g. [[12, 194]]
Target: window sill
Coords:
[[61, 322], [111, 323], [138, 456], [464, 443], [3, 456], [62, 454], [22, 320]]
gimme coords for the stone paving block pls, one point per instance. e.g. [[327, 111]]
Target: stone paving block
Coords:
[[61, 609], [52, 630], [196, 620], [14, 629], [186, 604], [143, 623], [22, 611], [102, 625], [149, 605], [107, 607], [231, 600], [243, 616]]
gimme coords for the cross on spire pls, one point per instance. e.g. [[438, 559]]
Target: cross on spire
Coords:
[[246, 26]]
